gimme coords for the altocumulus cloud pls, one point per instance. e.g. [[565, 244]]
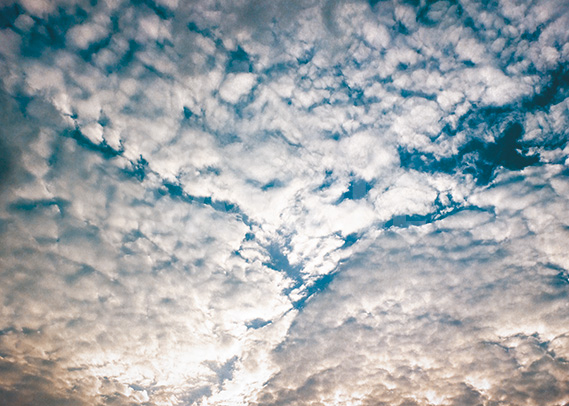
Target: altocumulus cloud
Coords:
[[284, 203]]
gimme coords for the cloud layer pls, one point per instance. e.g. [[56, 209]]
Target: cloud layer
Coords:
[[308, 203]]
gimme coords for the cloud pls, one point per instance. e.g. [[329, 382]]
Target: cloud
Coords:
[[295, 203], [236, 86], [435, 315], [85, 34]]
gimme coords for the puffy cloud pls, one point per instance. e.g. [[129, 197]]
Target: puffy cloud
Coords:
[[236, 86], [85, 34], [296, 203], [439, 314]]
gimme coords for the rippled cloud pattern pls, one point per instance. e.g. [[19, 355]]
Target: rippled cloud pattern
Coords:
[[270, 203]]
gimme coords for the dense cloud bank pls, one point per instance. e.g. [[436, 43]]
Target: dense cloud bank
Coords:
[[284, 203]]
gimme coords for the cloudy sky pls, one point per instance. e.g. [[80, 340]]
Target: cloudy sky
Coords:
[[287, 202]]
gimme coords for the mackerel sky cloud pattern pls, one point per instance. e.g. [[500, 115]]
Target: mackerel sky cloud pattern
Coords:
[[270, 203]]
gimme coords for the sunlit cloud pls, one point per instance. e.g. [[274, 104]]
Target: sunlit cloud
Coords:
[[322, 202]]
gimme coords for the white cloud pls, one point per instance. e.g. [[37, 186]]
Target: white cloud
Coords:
[[413, 297], [236, 86], [184, 265], [39, 8], [86, 34], [471, 50], [376, 35]]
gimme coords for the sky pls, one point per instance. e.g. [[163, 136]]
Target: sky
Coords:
[[287, 202]]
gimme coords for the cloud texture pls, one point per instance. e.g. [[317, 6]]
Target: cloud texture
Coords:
[[284, 203]]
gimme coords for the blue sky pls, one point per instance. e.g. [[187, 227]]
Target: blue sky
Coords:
[[284, 203]]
